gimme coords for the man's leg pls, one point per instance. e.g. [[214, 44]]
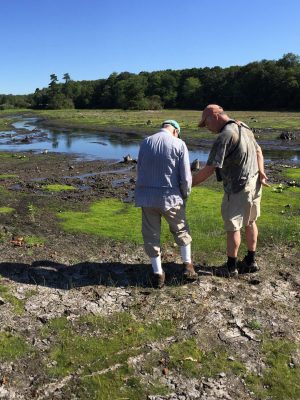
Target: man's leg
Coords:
[[151, 224], [251, 232], [233, 222], [233, 243], [177, 222], [249, 262], [178, 225], [186, 253]]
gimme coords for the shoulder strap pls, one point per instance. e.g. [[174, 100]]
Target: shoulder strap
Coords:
[[240, 133], [245, 126]]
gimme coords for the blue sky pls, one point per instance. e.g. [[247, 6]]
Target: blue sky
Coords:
[[90, 39]]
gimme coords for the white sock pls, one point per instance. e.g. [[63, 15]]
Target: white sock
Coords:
[[185, 252], [156, 265]]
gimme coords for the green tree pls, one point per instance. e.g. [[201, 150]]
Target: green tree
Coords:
[[40, 98], [60, 101], [53, 81], [153, 102], [191, 95], [66, 78], [289, 60], [262, 85]]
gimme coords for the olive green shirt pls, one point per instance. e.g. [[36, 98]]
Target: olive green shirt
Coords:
[[237, 163]]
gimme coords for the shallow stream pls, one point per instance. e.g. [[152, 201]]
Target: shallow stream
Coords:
[[92, 145]]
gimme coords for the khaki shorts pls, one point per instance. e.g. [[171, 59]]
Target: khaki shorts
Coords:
[[242, 208]]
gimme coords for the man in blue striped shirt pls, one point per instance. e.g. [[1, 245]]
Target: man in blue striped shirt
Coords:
[[163, 184]]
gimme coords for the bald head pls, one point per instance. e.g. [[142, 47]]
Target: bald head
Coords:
[[213, 117], [211, 109]]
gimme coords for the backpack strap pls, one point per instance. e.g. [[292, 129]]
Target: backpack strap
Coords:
[[232, 121], [218, 170]]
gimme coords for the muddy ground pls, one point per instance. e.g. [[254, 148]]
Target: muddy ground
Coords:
[[75, 274]]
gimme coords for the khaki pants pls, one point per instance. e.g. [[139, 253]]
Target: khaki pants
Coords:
[[151, 226], [242, 208]]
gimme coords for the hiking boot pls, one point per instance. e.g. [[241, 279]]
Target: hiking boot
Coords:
[[226, 272], [158, 280], [189, 272], [232, 271], [248, 268]]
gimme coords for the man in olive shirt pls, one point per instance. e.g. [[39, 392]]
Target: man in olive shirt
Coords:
[[239, 163]]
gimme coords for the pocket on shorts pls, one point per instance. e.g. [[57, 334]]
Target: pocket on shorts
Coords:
[[224, 206]]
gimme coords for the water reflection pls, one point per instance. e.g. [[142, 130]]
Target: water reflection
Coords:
[[94, 145], [276, 155], [89, 145]]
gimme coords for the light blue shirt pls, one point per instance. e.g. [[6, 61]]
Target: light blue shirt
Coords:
[[164, 176]]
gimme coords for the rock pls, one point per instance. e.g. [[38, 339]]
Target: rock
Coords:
[[127, 158], [296, 358], [3, 393], [287, 136], [195, 165], [26, 140], [43, 319]]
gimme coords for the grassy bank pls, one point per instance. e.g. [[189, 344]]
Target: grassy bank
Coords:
[[7, 117], [146, 122], [110, 218], [149, 121]]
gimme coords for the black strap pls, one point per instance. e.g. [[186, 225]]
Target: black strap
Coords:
[[240, 134], [218, 170]]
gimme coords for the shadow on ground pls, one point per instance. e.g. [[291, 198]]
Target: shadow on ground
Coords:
[[55, 275]]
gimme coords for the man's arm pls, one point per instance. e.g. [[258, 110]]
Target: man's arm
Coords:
[[203, 174], [185, 177], [261, 168]]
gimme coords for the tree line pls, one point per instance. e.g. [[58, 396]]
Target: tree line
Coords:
[[261, 85]]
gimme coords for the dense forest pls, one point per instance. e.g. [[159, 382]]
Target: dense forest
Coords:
[[262, 85]]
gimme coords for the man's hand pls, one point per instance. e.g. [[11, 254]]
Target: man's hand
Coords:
[[263, 179]]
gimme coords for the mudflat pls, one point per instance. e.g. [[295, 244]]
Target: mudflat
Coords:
[[80, 319]]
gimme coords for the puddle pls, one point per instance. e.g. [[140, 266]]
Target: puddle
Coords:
[[38, 179], [83, 187], [93, 174], [15, 187], [82, 177], [120, 182], [129, 198]]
